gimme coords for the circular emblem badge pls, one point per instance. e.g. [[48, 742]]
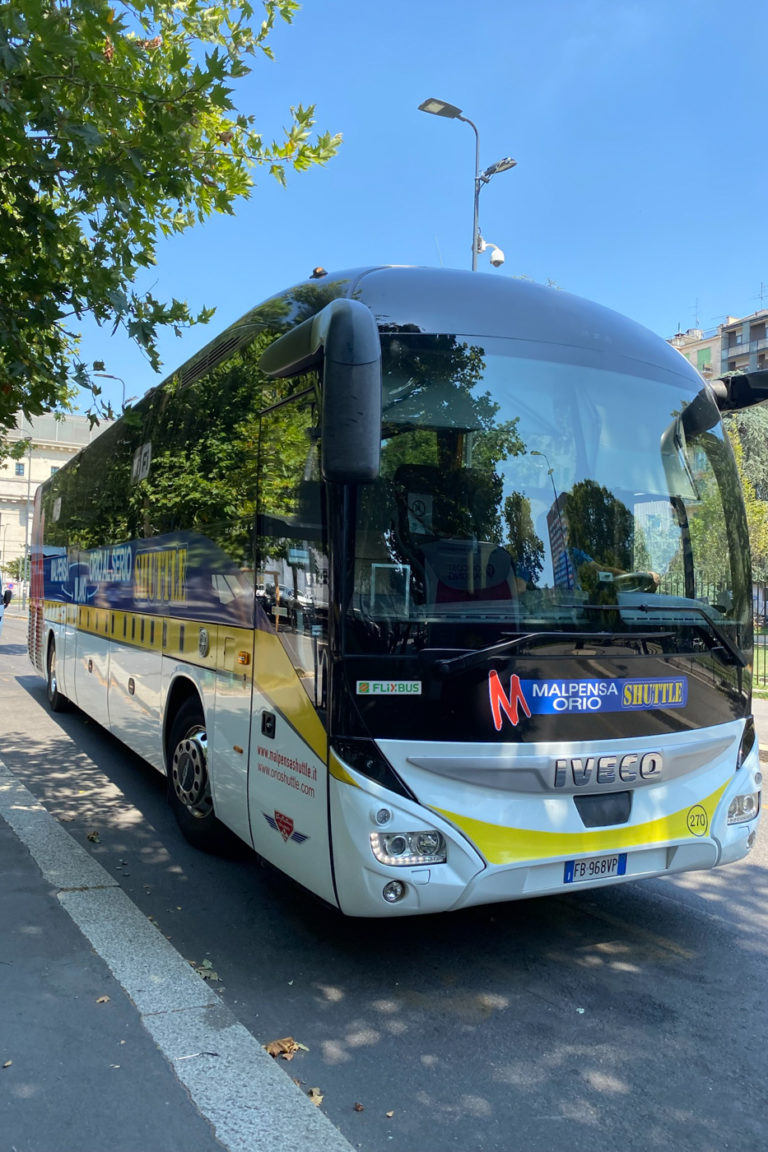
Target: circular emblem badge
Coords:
[[697, 820], [203, 642]]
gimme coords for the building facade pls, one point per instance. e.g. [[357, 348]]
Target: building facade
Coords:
[[701, 348], [739, 344], [744, 343], [49, 442]]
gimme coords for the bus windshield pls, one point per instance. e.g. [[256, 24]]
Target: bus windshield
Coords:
[[526, 490]]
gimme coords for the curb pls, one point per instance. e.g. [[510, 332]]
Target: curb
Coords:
[[234, 1083]]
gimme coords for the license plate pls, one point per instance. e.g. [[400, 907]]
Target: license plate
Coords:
[[595, 868]]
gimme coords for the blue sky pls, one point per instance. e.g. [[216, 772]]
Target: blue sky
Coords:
[[638, 127]]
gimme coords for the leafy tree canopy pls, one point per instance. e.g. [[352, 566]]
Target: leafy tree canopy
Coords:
[[600, 525], [117, 127], [750, 426], [749, 469]]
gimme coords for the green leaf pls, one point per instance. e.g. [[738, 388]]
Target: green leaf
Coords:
[[115, 132]]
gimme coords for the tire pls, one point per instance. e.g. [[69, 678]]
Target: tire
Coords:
[[189, 786], [56, 701]]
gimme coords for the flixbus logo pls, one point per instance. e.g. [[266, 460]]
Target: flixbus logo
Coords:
[[389, 687]]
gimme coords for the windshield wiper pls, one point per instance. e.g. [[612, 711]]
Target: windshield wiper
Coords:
[[724, 640], [478, 656]]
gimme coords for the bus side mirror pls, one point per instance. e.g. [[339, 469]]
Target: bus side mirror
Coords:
[[344, 339], [741, 390]]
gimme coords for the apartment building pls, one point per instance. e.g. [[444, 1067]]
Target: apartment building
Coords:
[[49, 442], [737, 345], [744, 343]]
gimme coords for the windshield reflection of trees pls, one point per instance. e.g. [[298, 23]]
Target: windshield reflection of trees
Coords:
[[448, 490], [211, 452]]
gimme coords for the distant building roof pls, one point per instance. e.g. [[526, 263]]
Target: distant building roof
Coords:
[[66, 430]]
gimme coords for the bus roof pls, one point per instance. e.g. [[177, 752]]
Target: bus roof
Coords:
[[444, 300]]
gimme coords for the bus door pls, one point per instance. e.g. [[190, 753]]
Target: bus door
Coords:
[[287, 781], [230, 726]]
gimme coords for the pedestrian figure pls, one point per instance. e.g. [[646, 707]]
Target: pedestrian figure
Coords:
[[7, 596]]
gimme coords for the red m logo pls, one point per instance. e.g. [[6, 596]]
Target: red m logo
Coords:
[[509, 704]]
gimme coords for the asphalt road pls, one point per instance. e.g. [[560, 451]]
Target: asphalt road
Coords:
[[617, 1020]]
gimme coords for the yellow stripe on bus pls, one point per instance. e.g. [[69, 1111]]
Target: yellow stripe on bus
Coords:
[[501, 845], [228, 652], [205, 645], [339, 772], [277, 678]]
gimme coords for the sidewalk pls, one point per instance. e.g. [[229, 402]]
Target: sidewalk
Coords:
[[760, 713], [109, 1041], [76, 1073]]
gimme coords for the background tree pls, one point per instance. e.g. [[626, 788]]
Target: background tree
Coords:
[[750, 426], [435, 414], [16, 569], [525, 546], [756, 506], [601, 528], [748, 433], [117, 127]]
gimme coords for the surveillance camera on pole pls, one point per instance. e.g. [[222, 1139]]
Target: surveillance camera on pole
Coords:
[[497, 256]]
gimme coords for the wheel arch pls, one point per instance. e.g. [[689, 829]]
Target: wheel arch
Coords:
[[181, 690]]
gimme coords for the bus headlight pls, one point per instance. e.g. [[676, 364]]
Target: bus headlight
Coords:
[[409, 848], [743, 808]]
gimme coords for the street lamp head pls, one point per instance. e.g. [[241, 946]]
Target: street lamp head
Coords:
[[440, 108], [535, 452], [502, 165]]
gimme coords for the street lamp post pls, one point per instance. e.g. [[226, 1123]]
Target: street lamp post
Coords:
[[550, 473], [441, 108], [109, 376]]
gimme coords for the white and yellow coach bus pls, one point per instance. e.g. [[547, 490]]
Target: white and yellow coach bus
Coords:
[[433, 587]]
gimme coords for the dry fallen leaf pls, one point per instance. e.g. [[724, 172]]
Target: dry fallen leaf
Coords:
[[285, 1048], [103, 1000], [389, 1115], [315, 1096], [359, 1107], [94, 837], [7, 1063], [205, 969]]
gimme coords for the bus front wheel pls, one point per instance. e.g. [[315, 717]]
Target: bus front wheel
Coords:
[[189, 785], [56, 701]]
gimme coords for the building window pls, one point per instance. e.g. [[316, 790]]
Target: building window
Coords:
[[19, 469], [54, 469]]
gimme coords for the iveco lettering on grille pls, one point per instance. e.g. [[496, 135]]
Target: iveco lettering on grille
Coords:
[[583, 770]]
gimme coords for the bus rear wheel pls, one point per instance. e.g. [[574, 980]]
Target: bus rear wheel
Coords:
[[189, 785], [56, 701]]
